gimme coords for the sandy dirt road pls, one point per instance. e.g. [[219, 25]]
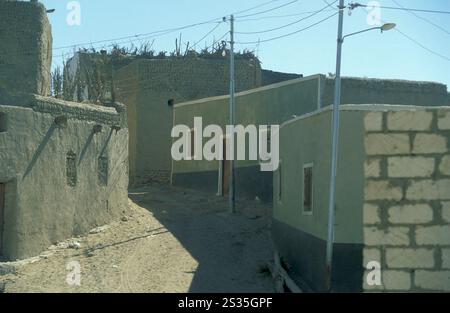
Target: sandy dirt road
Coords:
[[169, 240]]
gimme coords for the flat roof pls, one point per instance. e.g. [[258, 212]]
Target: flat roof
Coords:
[[365, 107]]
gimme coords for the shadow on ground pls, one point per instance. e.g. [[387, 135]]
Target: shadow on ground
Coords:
[[231, 250]]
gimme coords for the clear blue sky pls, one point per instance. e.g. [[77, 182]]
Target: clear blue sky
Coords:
[[388, 55]]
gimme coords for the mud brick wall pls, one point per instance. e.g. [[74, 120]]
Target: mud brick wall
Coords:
[[407, 198], [25, 49], [197, 78], [147, 86], [65, 170]]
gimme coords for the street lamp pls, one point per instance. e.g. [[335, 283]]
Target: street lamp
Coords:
[[335, 135], [383, 28], [388, 26]]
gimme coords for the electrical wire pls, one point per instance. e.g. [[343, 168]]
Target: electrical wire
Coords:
[[355, 5], [169, 30], [256, 7], [128, 41], [209, 33], [290, 34], [423, 18], [422, 45], [141, 35], [269, 10], [216, 41], [284, 26], [330, 5], [280, 16]]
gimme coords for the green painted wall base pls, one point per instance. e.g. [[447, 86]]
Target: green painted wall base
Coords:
[[305, 256]]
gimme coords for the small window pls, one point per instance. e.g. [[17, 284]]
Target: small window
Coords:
[[103, 170], [308, 190], [3, 121], [280, 182], [170, 102], [71, 169]]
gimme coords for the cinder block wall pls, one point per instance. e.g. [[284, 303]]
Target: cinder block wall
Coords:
[[407, 198]]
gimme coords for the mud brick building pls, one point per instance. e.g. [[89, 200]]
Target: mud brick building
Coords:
[[63, 165]]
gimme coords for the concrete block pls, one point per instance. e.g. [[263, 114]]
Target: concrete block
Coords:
[[372, 168], [373, 121], [410, 167], [411, 214], [446, 211], [433, 235], [429, 144], [396, 280], [444, 120], [446, 258], [371, 214], [410, 258], [393, 236], [371, 255], [444, 166], [410, 120], [429, 190], [433, 280], [382, 190], [387, 144]]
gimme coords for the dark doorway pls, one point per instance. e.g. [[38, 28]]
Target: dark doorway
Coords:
[[2, 215]]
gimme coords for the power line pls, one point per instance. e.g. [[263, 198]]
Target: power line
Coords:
[[156, 33], [281, 16], [423, 19], [159, 32], [330, 4], [165, 31], [255, 7], [140, 38], [422, 45], [216, 41], [418, 43], [284, 26], [356, 5], [290, 34], [127, 41], [207, 34], [269, 10]]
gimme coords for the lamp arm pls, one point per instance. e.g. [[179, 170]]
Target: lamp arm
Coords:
[[361, 31]]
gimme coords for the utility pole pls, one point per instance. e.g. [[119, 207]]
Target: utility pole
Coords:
[[232, 198], [334, 147]]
